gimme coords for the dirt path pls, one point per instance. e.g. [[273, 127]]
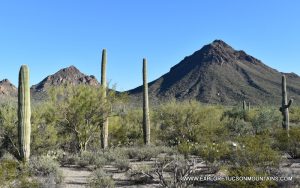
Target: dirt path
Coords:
[[75, 177], [78, 178]]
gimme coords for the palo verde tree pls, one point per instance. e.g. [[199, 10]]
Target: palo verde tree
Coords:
[[80, 111]]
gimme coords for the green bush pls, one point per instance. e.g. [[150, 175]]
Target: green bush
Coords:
[[214, 152], [126, 130], [8, 128], [8, 169], [100, 161], [143, 153], [15, 174], [43, 129], [247, 172], [79, 112], [189, 122], [294, 114], [291, 144], [141, 174], [122, 164], [115, 153], [45, 166], [265, 120], [86, 158], [101, 179], [255, 151], [66, 158]]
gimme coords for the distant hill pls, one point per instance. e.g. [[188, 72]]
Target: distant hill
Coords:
[[7, 90], [219, 74], [70, 75]]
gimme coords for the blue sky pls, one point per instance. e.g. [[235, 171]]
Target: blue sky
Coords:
[[52, 34]]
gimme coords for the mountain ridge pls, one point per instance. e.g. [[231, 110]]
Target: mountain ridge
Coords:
[[216, 73], [219, 74]]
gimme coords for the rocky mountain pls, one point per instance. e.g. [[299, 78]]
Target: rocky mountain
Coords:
[[219, 74], [8, 92], [7, 89], [70, 75]]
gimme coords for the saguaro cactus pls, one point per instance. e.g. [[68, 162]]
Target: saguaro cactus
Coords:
[[104, 132], [146, 118], [24, 113], [244, 105], [285, 105]]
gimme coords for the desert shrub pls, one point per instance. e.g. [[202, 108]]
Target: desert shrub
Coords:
[[115, 153], [100, 161], [235, 113], [170, 171], [101, 179], [45, 166], [122, 164], [94, 159], [237, 121], [43, 129], [86, 158], [8, 128], [266, 119], [257, 121], [15, 174], [72, 159], [66, 158], [247, 172], [167, 150], [126, 130], [291, 144], [82, 162], [214, 152], [294, 114], [188, 122], [255, 151], [141, 174], [8, 169], [143, 153]]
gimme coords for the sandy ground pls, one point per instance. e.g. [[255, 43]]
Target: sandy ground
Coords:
[[78, 177], [75, 177]]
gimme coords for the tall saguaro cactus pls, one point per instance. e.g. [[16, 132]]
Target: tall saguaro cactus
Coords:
[[24, 113], [146, 118], [104, 132], [285, 105], [244, 105]]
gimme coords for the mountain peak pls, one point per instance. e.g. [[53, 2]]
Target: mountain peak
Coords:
[[5, 81], [217, 73], [219, 45], [70, 75], [71, 69], [7, 88], [219, 42]]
